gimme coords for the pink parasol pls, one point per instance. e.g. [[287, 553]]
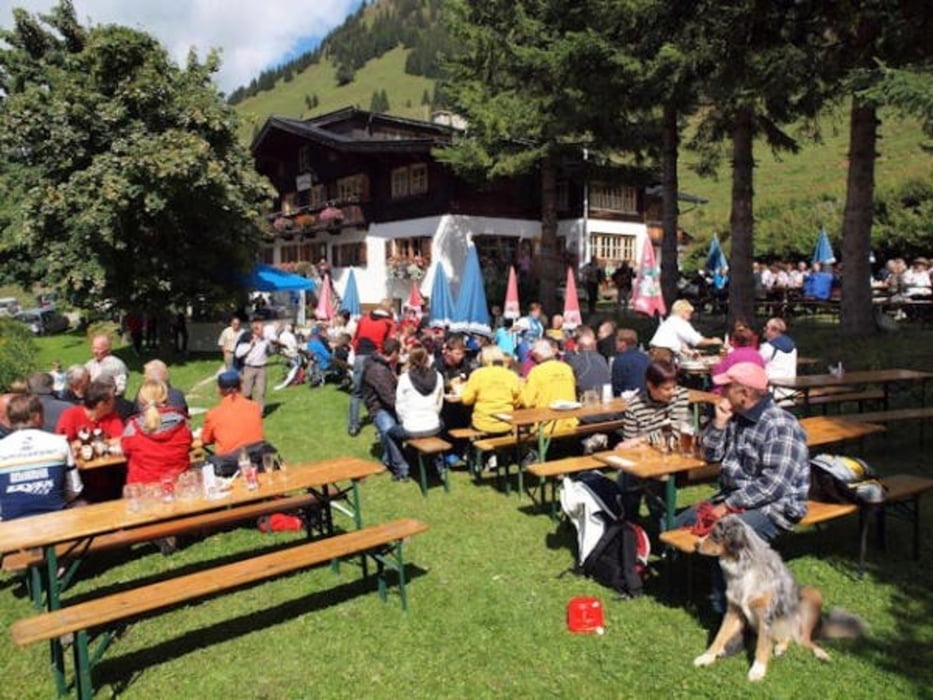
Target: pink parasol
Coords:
[[325, 301], [572, 317], [512, 308], [646, 296], [415, 300]]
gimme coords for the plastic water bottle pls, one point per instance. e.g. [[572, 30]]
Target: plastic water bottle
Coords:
[[209, 480]]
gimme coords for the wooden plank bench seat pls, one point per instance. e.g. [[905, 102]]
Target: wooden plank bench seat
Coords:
[[127, 605], [858, 397], [17, 562], [508, 440], [895, 414], [430, 447], [551, 472]]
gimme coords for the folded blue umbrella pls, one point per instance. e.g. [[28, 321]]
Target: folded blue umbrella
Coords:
[[471, 314], [823, 251], [441, 304], [351, 297]]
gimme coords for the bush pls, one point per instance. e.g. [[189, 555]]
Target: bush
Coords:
[[17, 352]]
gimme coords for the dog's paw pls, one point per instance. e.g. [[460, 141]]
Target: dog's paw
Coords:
[[780, 648], [704, 659], [757, 671], [820, 653]]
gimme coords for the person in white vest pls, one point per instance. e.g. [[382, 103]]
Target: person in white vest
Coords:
[[779, 352]]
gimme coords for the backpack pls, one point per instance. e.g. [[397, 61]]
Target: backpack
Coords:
[[839, 479], [227, 465], [240, 362], [611, 550]]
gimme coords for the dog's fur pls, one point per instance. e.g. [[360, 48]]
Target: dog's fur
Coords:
[[761, 593]]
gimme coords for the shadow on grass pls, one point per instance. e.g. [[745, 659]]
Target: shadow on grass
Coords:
[[120, 672], [271, 408]]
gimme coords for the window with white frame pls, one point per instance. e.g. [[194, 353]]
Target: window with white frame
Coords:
[[409, 180], [400, 183], [612, 247], [619, 198], [352, 187], [349, 255]]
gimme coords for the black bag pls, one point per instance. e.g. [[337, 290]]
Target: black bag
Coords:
[[226, 465], [614, 560], [839, 479]]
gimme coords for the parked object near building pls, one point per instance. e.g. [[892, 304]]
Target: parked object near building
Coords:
[[44, 321]]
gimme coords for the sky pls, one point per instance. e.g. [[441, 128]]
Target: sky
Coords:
[[252, 35]]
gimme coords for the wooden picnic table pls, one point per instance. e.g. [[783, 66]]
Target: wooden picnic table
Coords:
[[823, 430], [803, 384], [116, 460]]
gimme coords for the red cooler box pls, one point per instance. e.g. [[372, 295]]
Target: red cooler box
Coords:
[[585, 615]]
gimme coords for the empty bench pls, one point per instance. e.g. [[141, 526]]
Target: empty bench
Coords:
[[382, 542], [430, 447]]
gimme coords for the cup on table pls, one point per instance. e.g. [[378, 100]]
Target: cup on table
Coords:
[[590, 398], [269, 463], [152, 495], [133, 494], [687, 440], [250, 474], [607, 393], [188, 487], [167, 488]]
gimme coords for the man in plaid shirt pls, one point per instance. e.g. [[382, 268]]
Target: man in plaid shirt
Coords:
[[765, 468]]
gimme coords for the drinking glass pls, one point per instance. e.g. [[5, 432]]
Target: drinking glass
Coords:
[[268, 463], [133, 493], [167, 488]]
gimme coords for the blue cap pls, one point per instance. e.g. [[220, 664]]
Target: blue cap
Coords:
[[229, 379]]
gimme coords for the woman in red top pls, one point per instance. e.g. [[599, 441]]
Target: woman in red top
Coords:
[[156, 442]]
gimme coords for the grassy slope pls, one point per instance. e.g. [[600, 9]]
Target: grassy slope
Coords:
[[384, 73], [487, 604]]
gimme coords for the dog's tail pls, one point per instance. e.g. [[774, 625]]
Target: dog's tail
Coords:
[[841, 624]]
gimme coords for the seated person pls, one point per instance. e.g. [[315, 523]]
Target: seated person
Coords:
[[493, 388], [157, 371], [37, 470], [629, 364], [419, 396], [235, 422], [743, 350], [379, 384], [779, 353], [548, 381], [156, 441], [318, 348]]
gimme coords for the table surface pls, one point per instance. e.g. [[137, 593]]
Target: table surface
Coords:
[[647, 462], [120, 459], [822, 430], [810, 381], [100, 518], [529, 416]]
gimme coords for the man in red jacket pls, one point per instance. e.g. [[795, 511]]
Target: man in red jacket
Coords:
[[371, 332]]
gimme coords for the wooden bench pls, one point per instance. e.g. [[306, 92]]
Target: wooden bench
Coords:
[[551, 472], [430, 447], [922, 413], [474, 457], [382, 542], [509, 441], [839, 398]]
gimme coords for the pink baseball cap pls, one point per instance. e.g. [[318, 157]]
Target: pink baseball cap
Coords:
[[745, 373]]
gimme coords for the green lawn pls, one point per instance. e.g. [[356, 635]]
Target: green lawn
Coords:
[[487, 599]]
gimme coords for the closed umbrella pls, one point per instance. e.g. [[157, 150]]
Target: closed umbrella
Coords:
[[325, 302], [646, 296], [715, 258], [351, 297], [823, 251], [512, 307], [441, 309], [572, 317], [471, 313]]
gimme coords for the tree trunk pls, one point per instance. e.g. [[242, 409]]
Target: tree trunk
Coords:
[[546, 267], [741, 221], [670, 270], [855, 312]]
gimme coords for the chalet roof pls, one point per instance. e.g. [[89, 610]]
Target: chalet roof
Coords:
[[368, 132]]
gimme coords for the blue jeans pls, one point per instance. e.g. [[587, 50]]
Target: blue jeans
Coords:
[[356, 396], [758, 521], [392, 455]]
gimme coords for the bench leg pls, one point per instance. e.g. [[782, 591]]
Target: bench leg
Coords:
[[83, 684], [422, 476]]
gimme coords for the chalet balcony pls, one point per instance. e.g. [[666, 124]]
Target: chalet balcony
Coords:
[[307, 222]]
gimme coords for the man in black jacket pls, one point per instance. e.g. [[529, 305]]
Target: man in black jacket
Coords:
[[378, 388]]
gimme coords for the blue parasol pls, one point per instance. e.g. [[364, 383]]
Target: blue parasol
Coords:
[[471, 313], [441, 305], [351, 297], [823, 252], [715, 258]]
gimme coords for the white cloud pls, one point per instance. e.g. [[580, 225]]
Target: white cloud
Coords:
[[252, 34]]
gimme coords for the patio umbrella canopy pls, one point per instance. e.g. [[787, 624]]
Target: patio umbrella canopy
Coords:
[[325, 302], [716, 258], [441, 309], [823, 251], [646, 296], [572, 317], [265, 278], [512, 309], [351, 297], [471, 313]]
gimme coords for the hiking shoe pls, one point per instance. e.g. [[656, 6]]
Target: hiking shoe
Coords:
[[452, 460], [167, 545], [353, 430]]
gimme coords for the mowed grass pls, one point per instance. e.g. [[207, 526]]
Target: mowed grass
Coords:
[[488, 592]]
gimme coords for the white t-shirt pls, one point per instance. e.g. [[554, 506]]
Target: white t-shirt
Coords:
[[674, 333]]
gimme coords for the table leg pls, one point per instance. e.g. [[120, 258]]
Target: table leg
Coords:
[[670, 502]]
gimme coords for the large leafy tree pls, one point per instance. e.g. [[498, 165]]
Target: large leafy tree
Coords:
[[131, 184]]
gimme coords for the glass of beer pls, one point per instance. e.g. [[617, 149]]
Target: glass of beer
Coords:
[[687, 440]]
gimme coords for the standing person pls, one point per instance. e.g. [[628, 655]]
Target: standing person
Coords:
[[779, 353], [379, 384], [135, 324], [534, 321], [40, 384], [288, 347], [252, 351], [180, 333], [622, 278], [372, 331], [629, 364], [37, 469], [228, 340], [157, 440], [592, 276], [103, 362], [676, 335], [765, 468], [234, 422]]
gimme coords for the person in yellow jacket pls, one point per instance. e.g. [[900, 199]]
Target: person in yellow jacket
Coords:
[[548, 381], [493, 388]]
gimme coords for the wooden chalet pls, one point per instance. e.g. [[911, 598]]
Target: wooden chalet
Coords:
[[363, 190]]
